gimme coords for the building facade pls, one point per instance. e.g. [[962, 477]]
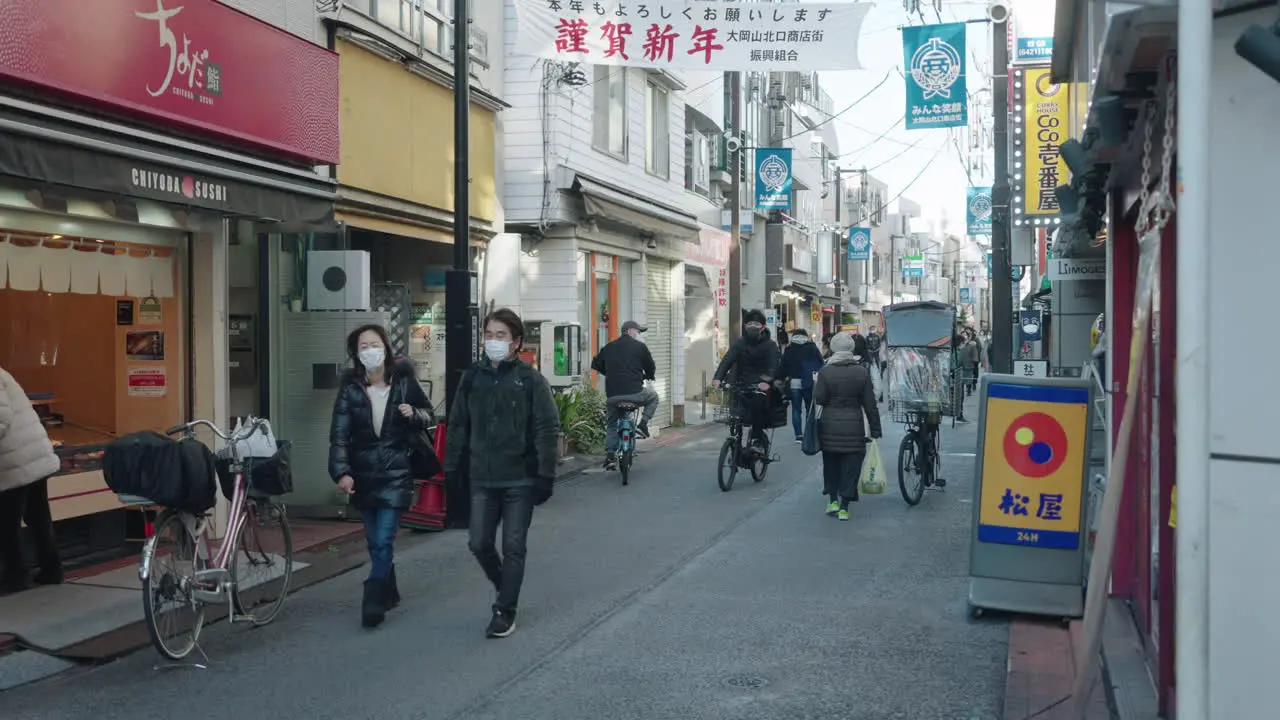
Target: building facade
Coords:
[[1195, 512], [597, 214], [121, 197]]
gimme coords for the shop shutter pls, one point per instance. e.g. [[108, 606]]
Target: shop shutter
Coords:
[[658, 338]]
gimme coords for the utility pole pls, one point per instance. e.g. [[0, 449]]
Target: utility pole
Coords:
[[735, 204], [460, 298], [842, 235], [1001, 208]]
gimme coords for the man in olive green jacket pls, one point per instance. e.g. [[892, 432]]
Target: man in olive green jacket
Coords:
[[503, 426]]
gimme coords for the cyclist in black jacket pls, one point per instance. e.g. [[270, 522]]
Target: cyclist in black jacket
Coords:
[[626, 363], [754, 359]]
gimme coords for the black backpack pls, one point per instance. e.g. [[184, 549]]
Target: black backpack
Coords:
[[177, 474]]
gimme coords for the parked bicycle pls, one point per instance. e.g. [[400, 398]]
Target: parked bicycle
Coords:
[[738, 450], [922, 389], [250, 570], [625, 426], [919, 461]]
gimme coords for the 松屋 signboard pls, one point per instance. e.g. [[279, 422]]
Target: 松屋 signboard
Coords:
[[693, 34], [1045, 120], [1033, 462]]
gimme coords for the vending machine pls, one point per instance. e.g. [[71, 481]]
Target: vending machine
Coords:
[[556, 350]]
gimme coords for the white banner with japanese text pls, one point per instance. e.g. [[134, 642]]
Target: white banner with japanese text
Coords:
[[693, 34]]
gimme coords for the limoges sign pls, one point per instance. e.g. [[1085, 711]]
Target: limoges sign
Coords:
[[194, 64]]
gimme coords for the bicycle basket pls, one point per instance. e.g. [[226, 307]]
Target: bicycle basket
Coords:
[[271, 476]]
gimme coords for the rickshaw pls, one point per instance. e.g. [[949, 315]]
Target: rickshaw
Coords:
[[920, 381]]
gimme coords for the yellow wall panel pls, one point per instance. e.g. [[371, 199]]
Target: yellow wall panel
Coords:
[[397, 135]]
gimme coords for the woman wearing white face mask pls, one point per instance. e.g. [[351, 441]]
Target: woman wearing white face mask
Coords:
[[378, 419], [502, 435]]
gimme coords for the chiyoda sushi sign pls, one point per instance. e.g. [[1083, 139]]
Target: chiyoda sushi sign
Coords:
[[693, 34]]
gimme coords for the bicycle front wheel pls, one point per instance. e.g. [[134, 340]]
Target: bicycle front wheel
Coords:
[[263, 562], [760, 467], [727, 469], [910, 481], [170, 583]]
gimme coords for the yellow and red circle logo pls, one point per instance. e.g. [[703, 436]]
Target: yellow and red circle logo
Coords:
[[1035, 445]]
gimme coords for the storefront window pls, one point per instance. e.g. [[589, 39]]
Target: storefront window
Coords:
[[94, 328]]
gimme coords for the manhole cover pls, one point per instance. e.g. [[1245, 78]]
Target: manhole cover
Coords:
[[750, 682]]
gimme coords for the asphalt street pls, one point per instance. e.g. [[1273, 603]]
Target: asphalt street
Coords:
[[663, 600]]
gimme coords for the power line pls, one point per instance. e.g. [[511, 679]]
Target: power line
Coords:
[[897, 155], [878, 138], [918, 176], [836, 116]]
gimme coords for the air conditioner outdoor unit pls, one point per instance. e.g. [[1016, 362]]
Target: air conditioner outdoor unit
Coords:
[[338, 280]]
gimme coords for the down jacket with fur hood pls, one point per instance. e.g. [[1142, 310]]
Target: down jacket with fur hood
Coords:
[[26, 455]]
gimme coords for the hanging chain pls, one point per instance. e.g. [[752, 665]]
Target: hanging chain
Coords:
[[1156, 205], [1144, 196], [1165, 209]]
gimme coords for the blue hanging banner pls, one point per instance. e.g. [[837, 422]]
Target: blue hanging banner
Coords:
[[859, 243], [773, 179], [965, 296], [978, 210], [934, 58]]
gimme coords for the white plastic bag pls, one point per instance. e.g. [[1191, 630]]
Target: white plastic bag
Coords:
[[873, 482], [261, 444]]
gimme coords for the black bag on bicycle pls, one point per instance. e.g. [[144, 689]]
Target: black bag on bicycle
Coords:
[[271, 476], [778, 412], [176, 474]]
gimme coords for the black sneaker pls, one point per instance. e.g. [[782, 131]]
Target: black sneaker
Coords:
[[642, 428], [611, 461], [502, 624]]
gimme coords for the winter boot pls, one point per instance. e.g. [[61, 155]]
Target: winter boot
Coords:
[[373, 609], [393, 590]]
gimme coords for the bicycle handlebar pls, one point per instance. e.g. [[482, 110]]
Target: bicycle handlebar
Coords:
[[250, 426]]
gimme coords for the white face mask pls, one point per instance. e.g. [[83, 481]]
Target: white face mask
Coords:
[[497, 350], [371, 357]]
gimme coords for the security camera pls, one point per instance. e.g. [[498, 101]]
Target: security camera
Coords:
[[998, 12], [1260, 47], [732, 144]]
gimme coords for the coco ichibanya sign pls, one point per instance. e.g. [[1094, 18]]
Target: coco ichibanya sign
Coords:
[[693, 34]]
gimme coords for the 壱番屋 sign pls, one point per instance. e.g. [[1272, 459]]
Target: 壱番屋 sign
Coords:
[[194, 64], [693, 34]]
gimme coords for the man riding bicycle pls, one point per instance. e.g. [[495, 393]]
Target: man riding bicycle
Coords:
[[754, 360], [626, 363]]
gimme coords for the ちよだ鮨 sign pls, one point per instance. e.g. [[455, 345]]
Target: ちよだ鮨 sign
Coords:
[[693, 34]]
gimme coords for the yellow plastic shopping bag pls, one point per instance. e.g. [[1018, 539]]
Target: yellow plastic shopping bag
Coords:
[[872, 481]]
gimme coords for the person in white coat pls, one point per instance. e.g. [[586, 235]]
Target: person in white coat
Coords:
[[27, 460]]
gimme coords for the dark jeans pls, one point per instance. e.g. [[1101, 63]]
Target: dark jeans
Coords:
[[29, 503], [840, 474], [755, 414], [380, 526], [800, 402], [513, 509]]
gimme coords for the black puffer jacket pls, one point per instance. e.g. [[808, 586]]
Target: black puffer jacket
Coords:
[[379, 464], [751, 360], [844, 392]]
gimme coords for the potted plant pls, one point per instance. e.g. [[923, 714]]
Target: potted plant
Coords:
[[582, 419]]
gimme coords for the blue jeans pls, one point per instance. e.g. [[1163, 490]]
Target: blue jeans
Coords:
[[646, 398], [380, 526], [800, 398]]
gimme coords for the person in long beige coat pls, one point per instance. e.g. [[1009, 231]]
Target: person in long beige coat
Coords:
[[27, 460]]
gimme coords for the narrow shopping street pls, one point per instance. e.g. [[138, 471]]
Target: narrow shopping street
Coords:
[[663, 600]]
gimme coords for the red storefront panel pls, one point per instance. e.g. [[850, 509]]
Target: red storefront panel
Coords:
[[193, 64]]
